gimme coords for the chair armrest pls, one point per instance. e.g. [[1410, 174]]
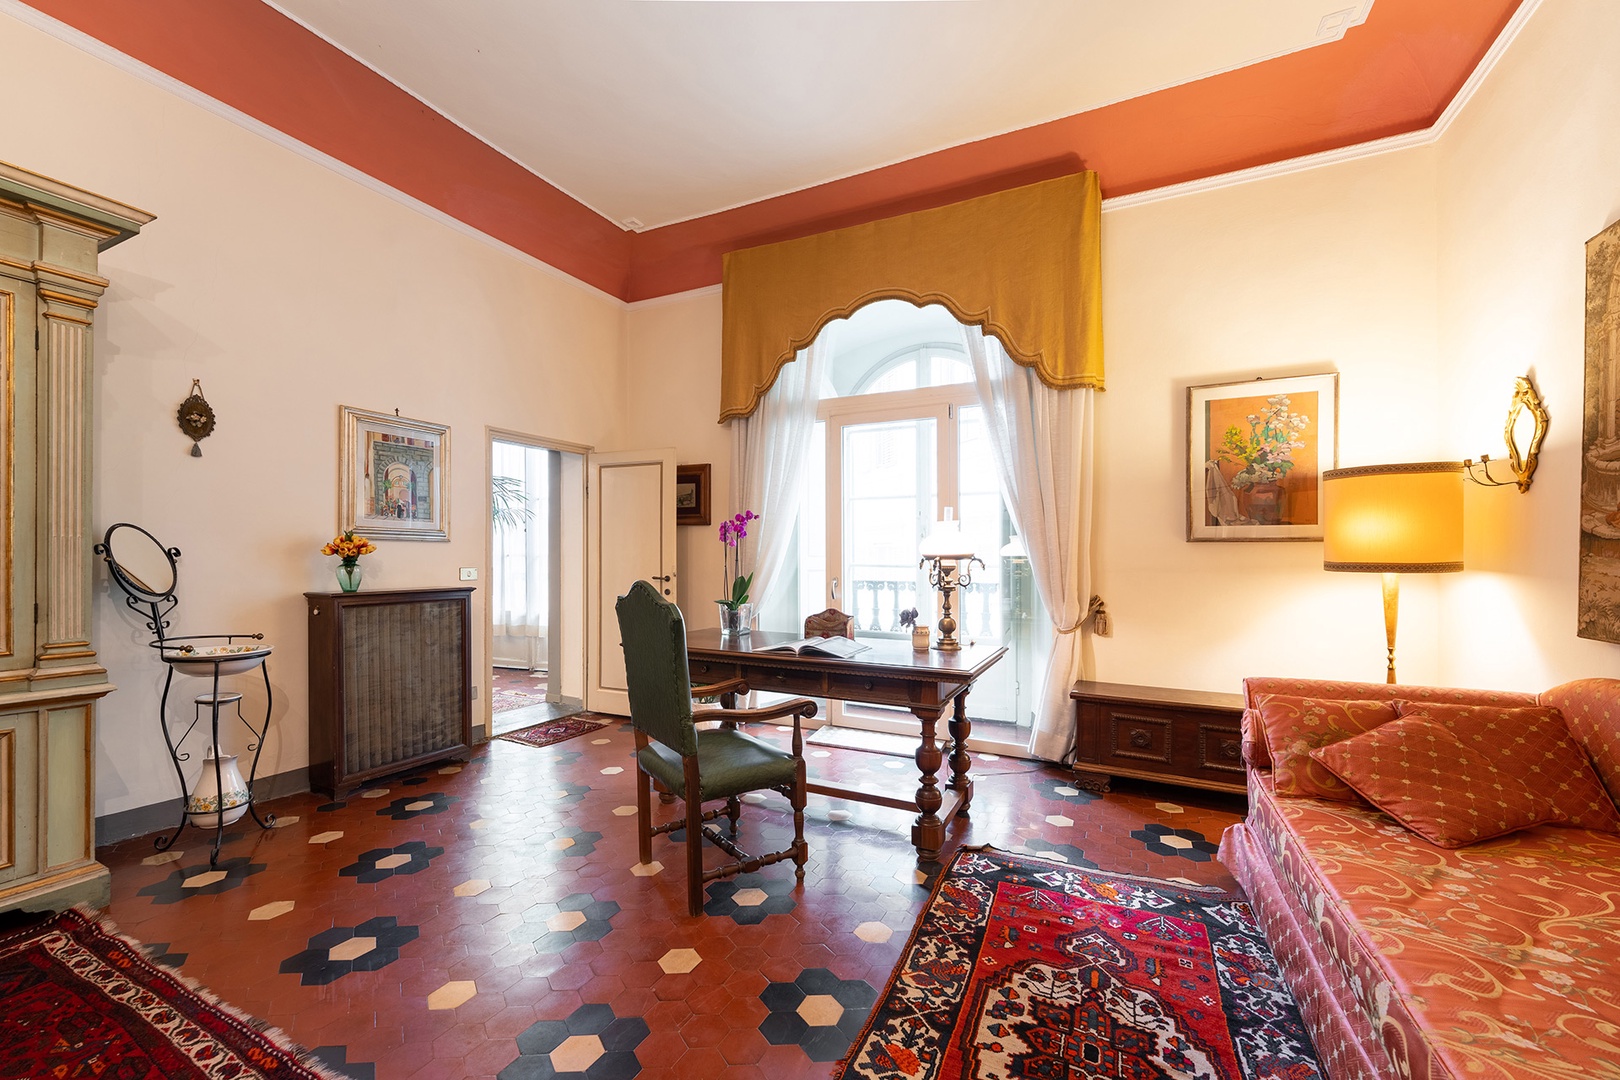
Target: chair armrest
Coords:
[[794, 707], [729, 686]]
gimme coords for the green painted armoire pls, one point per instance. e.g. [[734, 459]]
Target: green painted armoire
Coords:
[[51, 237]]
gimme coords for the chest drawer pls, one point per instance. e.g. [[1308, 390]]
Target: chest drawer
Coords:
[[1148, 733]]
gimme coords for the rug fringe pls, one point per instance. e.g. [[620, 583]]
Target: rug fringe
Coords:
[[274, 1035]]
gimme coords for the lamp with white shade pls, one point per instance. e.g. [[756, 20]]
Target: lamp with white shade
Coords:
[[949, 557], [1393, 520]]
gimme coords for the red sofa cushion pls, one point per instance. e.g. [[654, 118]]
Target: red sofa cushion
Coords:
[[1421, 774], [1294, 726], [1535, 745]]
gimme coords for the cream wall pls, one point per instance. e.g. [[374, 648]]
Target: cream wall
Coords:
[[672, 346], [1528, 173], [287, 290]]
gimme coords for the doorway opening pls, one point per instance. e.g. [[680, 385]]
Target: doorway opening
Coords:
[[536, 602]]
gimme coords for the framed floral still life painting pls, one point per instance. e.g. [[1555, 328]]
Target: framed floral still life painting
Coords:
[[395, 476], [1256, 452]]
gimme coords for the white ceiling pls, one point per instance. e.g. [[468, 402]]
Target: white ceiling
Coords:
[[662, 110]]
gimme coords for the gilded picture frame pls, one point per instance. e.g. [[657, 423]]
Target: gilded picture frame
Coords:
[[1256, 451], [394, 476], [692, 494]]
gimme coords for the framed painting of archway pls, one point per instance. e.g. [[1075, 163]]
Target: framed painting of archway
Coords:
[[395, 476]]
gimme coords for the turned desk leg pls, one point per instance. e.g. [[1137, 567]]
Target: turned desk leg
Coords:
[[928, 831], [961, 728]]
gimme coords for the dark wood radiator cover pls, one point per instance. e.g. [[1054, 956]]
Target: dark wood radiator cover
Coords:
[[389, 678]]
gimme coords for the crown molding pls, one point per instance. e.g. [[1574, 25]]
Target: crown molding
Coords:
[[38, 20], [1422, 137]]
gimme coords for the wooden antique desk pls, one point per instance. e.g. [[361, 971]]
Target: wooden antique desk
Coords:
[[889, 673]]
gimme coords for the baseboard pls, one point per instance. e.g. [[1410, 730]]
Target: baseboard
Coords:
[[165, 815]]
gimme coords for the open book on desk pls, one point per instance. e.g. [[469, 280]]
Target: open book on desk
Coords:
[[841, 647]]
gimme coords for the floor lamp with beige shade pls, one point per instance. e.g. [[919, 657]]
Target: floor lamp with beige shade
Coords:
[[1393, 520]]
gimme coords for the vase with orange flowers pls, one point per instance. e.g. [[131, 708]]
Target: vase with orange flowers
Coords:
[[348, 548]]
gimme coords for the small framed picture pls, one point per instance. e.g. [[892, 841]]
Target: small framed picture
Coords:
[[1256, 452], [692, 494], [395, 478]]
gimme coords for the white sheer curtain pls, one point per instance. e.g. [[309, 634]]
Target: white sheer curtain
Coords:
[[768, 453], [519, 593], [1042, 441]]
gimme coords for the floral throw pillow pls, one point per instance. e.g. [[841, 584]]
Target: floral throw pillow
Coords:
[[1295, 726], [1421, 774], [1534, 744]]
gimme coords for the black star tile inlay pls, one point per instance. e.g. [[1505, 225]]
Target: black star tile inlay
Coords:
[[409, 806], [591, 1044], [1064, 853], [579, 917], [1062, 790], [334, 953], [584, 842], [336, 1059], [818, 1012], [752, 907], [1187, 843], [230, 874], [380, 864]]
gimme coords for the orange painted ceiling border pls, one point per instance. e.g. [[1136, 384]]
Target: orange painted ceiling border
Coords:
[[1392, 75]]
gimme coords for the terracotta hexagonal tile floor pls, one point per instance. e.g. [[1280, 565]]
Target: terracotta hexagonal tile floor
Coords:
[[495, 919]]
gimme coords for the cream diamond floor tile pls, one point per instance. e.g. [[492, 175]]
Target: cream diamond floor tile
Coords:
[[679, 961], [647, 869], [576, 1054], [471, 887], [611, 770], [1060, 821], [202, 881], [271, 910], [481, 823], [821, 753], [420, 804], [560, 843], [283, 822], [749, 897], [450, 770], [352, 949], [821, 1010], [452, 994], [910, 876], [600, 742], [565, 920], [325, 837], [389, 862], [1169, 808], [172, 855], [1180, 843], [624, 811], [874, 932], [374, 793]]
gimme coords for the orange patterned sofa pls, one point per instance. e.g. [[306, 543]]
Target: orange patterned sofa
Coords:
[[1497, 961]]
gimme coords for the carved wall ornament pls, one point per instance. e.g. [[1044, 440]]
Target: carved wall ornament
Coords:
[[196, 417]]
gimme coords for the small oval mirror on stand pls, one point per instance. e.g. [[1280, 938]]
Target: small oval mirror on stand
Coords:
[[141, 566]]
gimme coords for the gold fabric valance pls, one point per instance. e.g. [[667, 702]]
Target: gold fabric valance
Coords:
[[1024, 264]]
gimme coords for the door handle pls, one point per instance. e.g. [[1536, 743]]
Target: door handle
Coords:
[[833, 589], [665, 578]]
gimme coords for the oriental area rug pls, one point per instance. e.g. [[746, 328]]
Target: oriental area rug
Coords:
[[78, 1000], [1022, 967], [556, 731]]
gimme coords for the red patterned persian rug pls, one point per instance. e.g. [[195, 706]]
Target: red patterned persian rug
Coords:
[[81, 1001], [1022, 967], [556, 731]]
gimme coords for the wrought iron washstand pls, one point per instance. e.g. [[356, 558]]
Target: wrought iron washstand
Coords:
[[147, 573]]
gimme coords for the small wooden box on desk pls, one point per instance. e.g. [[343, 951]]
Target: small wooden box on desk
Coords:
[[1187, 737], [389, 683]]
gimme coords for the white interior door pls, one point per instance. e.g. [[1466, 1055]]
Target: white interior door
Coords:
[[630, 534]]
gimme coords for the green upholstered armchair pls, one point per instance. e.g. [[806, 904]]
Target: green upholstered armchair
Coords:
[[700, 766]]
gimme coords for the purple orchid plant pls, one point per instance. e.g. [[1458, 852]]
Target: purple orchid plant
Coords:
[[733, 530]]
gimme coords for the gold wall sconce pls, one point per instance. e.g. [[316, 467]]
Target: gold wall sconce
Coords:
[[1526, 428]]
